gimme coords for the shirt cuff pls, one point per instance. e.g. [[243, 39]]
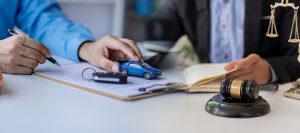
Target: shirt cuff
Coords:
[[74, 43], [274, 75]]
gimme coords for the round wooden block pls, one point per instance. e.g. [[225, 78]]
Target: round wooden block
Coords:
[[220, 106]]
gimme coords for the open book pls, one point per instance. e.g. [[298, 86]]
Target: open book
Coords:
[[204, 77]]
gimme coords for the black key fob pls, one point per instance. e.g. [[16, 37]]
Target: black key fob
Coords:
[[109, 77]]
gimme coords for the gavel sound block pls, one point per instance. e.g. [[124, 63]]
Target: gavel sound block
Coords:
[[238, 99]]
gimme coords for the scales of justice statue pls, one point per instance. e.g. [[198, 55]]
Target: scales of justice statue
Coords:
[[294, 38]]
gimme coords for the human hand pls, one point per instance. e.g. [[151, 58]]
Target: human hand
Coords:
[[104, 52], [252, 67], [20, 55]]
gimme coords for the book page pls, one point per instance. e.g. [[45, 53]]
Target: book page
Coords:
[[72, 74], [207, 86], [204, 73]]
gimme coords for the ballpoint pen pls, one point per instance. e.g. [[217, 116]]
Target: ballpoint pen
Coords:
[[13, 32]]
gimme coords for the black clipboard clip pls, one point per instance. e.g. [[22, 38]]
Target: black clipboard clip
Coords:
[[162, 88]]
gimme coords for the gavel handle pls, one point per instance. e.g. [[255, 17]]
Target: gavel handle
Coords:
[[269, 87]]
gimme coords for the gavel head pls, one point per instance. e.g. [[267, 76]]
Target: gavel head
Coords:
[[246, 90]]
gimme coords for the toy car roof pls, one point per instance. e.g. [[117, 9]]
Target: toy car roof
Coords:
[[130, 62]]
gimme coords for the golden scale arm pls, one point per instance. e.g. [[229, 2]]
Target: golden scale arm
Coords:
[[272, 30]]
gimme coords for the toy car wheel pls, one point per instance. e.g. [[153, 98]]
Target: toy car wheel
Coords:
[[125, 72], [147, 76]]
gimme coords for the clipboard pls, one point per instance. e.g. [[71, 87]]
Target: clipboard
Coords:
[[99, 91]]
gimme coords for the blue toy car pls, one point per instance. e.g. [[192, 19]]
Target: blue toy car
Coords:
[[141, 69]]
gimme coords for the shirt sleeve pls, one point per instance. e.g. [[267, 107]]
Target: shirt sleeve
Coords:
[[44, 21], [274, 75]]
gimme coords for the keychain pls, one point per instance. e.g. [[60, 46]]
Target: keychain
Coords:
[[91, 74]]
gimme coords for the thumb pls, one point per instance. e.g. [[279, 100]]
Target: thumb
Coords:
[[230, 66], [109, 65]]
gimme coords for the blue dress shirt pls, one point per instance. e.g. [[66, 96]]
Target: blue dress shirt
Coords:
[[227, 31], [44, 21]]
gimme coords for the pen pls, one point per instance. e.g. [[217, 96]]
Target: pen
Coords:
[[13, 32]]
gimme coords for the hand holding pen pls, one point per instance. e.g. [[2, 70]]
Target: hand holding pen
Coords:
[[20, 54], [13, 32]]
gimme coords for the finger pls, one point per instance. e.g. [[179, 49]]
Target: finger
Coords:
[[31, 53], [251, 76], [26, 62], [133, 45], [118, 56], [113, 43], [109, 65], [37, 46], [246, 77], [230, 66], [16, 69], [238, 74], [247, 62]]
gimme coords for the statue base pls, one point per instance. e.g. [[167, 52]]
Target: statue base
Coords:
[[296, 84]]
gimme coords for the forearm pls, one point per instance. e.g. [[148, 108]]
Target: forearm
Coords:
[[45, 22]]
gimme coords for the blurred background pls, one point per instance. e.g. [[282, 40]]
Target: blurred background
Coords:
[[126, 18]]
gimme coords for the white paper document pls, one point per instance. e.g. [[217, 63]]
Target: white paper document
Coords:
[[72, 74]]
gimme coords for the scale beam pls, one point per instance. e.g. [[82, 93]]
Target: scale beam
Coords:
[[272, 29]]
